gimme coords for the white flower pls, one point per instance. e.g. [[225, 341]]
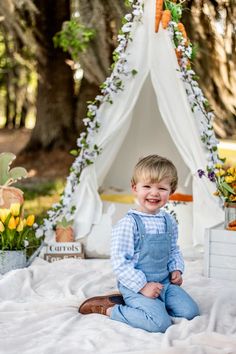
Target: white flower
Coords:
[[39, 233], [86, 121], [128, 17], [99, 98], [26, 243], [126, 27]]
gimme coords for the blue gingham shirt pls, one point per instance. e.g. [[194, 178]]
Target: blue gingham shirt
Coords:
[[124, 240]]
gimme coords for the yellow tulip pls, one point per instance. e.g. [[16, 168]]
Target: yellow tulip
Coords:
[[15, 209], [4, 214], [231, 170], [20, 226], [229, 179], [12, 223], [220, 173], [30, 220], [2, 228], [218, 166]]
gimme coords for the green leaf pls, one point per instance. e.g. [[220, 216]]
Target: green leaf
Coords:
[[16, 173], [74, 152], [6, 159], [227, 187], [8, 176]]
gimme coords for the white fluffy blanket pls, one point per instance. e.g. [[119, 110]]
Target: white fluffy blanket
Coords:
[[39, 313]]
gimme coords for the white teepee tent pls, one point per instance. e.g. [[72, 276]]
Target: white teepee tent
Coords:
[[151, 114]]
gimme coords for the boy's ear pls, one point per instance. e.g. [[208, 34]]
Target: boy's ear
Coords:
[[133, 187]]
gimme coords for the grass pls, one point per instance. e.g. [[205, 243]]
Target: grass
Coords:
[[40, 196]]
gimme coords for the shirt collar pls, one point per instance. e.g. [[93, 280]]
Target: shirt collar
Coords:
[[161, 213]]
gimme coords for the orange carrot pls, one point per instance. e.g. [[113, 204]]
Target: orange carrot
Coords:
[[158, 14], [181, 197], [232, 223], [181, 29], [178, 55], [232, 228], [165, 19]]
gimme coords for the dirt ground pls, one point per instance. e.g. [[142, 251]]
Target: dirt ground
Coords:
[[49, 165]]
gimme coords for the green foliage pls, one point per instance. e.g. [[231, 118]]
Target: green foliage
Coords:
[[8, 176], [73, 38], [36, 189], [64, 223], [194, 51], [40, 196]]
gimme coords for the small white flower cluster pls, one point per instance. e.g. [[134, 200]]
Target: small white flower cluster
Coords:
[[196, 98], [87, 150]]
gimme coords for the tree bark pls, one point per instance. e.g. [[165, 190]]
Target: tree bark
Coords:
[[105, 17], [211, 25], [55, 99]]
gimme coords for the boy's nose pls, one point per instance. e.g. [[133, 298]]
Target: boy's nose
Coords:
[[155, 192]]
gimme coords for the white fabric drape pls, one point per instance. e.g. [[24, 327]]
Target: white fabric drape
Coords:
[[149, 53]]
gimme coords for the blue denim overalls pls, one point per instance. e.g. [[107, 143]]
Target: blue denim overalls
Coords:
[[153, 315]]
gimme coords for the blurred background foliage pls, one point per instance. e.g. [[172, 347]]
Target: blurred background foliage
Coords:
[[55, 54]]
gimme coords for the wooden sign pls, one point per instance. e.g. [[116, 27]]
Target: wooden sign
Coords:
[[64, 247], [52, 257], [56, 251]]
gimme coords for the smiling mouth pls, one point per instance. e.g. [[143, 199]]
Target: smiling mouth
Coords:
[[153, 200]]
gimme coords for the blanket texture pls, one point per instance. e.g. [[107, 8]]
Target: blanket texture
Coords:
[[39, 313]]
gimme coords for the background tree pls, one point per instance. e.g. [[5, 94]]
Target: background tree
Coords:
[[55, 98], [17, 62], [211, 24], [59, 111], [105, 18]]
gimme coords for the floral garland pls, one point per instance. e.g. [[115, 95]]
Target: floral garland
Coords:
[[87, 151]]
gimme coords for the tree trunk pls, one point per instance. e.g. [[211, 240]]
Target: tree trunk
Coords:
[[211, 25], [55, 99], [105, 17]]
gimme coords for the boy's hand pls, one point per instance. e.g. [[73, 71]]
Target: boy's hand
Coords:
[[176, 277], [152, 290]]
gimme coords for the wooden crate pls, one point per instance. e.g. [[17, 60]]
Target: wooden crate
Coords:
[[220, 253]]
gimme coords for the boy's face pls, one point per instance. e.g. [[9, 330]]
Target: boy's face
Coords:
[[151, 196]]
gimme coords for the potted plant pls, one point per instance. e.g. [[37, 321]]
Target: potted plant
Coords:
[[8, 193], [224, 177], [17, 233], [64, 231]]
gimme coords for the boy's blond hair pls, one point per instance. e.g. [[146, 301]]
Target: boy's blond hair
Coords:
[[155, 168]]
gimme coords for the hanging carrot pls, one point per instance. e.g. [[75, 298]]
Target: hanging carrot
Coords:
[[165, 19], [188, 65], [181, 29], [178, 55], [159, 7]]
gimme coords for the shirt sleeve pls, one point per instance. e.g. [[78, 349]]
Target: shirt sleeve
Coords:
[[123, 255], [176, 261]]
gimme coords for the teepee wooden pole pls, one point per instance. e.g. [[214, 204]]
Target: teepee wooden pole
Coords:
[[158, 14]]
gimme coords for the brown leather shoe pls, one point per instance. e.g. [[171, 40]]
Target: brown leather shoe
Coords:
[[99, 304]]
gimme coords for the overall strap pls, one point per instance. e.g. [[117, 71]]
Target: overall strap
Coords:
[[168, 223], [139, 224]]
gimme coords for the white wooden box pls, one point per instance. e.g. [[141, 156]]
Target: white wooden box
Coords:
[[220, 253]]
